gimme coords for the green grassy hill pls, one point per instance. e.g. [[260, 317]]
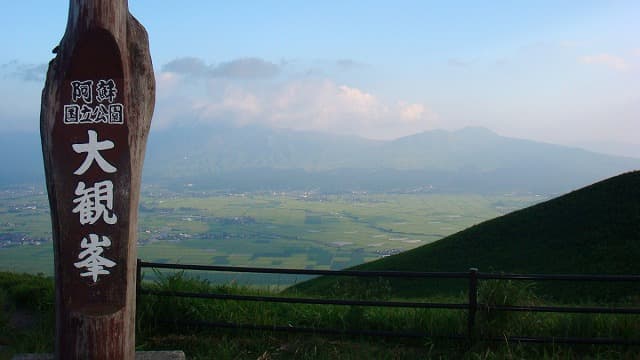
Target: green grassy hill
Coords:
[[594, 230]]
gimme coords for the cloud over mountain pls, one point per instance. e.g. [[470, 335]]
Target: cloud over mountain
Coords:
[[611, 61], [255, 91]]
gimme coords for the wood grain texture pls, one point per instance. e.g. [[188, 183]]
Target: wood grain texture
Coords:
[[109, 332]]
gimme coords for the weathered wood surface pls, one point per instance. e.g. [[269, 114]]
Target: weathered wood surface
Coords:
[[140, 355], [95, 314]]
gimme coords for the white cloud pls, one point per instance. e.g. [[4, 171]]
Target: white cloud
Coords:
[[611, 61], [242, 68], [24, 71], [186, 65], [236, 103], [349, 64], [411, 112], [246, 68], [303, 103]]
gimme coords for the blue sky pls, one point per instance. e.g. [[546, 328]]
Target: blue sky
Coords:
[[557, 71]]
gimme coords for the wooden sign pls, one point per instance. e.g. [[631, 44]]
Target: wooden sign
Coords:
[[96, 111]]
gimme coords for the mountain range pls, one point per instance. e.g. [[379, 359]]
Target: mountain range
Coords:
[[259, 158]]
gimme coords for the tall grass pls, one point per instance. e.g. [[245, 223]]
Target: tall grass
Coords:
[[434, 322], [158, 327], [26, 314], [341, 317]]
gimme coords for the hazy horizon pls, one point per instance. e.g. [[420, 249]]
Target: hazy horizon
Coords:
[[552, 72], [606, 148]]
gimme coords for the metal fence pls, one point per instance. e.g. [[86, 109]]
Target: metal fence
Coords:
[[473, 276]]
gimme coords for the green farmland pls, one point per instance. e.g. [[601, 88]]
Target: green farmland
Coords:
[[294, 229]]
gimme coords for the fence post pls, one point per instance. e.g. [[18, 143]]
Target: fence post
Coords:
[[473, 302], [138, 278]]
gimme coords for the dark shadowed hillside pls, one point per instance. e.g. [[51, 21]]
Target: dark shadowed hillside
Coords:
[[594, 230]]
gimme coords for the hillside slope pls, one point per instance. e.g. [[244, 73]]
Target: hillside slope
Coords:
[[592, 230]]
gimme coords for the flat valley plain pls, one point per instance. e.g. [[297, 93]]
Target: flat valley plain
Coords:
[[303, 230]]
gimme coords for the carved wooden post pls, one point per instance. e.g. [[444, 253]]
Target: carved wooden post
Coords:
[[96, 111]]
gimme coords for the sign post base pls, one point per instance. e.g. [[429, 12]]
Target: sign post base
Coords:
[[140, 355]]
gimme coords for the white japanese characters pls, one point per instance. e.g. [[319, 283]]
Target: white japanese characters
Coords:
[[93, 148], [94, 102], [89, 109], [95, 202], [91, 258]]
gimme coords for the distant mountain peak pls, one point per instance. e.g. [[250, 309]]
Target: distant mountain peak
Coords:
[[475, 131], [468, 132]]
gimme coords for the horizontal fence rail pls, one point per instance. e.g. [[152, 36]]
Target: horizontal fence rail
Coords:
[[472, 276], [310, 330], [357, 273], [415, 305], [559, 277]]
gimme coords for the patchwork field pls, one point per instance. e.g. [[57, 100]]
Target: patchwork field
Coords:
[[294, 229]]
